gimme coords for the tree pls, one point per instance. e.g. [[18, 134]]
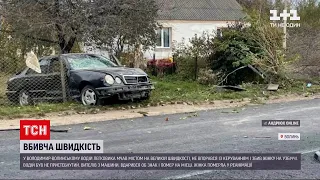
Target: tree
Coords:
[[13, 49], [261, 6], [133, 24], [304, 41], [63, 22], [52, 21]]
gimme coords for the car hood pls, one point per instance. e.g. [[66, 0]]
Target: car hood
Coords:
[[119, 71]]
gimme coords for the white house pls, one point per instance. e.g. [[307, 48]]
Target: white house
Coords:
[[182, 19]]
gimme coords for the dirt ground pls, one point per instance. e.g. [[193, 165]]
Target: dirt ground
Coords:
[[58, 119]]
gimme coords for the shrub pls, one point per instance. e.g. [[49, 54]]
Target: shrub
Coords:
[[160, 67], [185, 67], [207, 77]]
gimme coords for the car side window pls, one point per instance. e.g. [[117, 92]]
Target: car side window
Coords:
[[44, 66], [54, 66]]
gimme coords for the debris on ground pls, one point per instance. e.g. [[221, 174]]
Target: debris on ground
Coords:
[[167, 119], [273, 87], [87, 128], [233, 111], [143, 113], [317, 156], [309, 85], [233, 88], [51, 130], [245, 136], [266, 137], [56, 130], [190, 103], [194, 114]]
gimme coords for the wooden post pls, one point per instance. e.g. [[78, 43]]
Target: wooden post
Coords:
[[63, 80]]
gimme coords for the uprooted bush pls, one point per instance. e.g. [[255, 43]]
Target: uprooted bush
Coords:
[[246, 51], [258, 45], [234, 49]]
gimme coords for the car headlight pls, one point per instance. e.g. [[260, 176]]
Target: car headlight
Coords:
[[109, 79], [118, 80]]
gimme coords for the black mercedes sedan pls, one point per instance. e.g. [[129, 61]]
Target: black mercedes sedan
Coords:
[[89, 78]]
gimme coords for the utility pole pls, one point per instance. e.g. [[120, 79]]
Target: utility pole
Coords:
[[285, 26]]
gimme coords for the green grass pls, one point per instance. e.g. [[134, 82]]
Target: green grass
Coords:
[[168, 89]]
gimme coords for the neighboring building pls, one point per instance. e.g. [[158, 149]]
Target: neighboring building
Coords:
[[182, 19]]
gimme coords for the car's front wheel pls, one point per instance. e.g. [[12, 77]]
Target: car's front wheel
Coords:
[[146, 96], [24, 98], [89, 96]]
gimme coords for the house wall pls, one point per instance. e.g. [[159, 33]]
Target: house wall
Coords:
[[183, 30], [179, 30]]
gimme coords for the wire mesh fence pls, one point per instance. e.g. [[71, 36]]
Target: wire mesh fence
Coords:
[[25, 86], [88, 78]]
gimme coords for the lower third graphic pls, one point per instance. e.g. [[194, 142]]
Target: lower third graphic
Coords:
[[289, 136]]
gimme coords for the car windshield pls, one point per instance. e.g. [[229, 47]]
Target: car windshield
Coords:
[[87, 61]]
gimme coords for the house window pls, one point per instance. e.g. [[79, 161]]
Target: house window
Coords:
[[163, 37], [219, 32]]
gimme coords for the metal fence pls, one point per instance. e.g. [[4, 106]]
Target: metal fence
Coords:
[[71, 77], [24, 86]]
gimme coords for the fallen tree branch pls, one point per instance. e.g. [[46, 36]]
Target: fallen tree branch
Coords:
[[18, 129]]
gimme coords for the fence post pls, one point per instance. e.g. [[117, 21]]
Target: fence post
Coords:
[[63, 80], [154, 68], [196, 68]]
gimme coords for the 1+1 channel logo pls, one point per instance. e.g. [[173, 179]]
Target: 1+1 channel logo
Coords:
[[293, 15]]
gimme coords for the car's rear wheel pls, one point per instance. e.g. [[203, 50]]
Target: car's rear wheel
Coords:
[[89, 96], [24, 98]]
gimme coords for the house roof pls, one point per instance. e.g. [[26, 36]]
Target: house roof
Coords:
[[205, 10]]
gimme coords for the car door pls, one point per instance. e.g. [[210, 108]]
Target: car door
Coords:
[[35, 82], [54, 89]]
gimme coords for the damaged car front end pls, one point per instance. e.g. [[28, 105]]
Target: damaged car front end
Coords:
[[97, 82], [127, 87]]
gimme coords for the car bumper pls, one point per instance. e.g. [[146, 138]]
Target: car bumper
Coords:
[[125, 89], [11, 92]]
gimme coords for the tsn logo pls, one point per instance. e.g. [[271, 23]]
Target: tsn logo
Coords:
[[34, 129]]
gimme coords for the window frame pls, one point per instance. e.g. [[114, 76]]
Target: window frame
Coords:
[[51, 61], [220, 29], [162, 37]]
